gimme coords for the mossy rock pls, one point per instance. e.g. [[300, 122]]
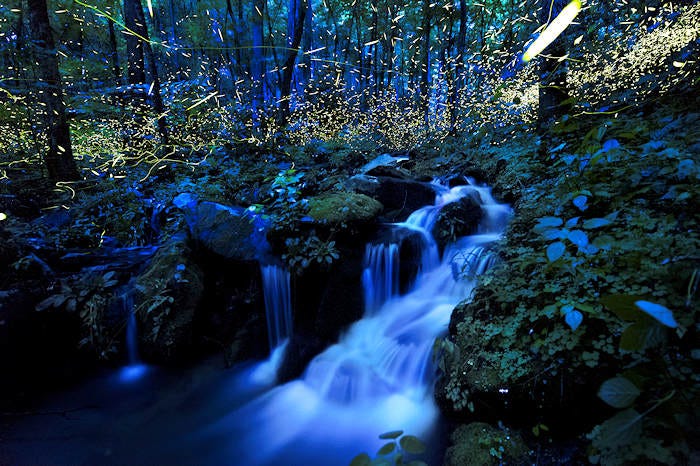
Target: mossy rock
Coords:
[[169, 292], [480, 444], [344, 208]]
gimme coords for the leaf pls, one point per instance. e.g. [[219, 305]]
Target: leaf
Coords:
[[572, 222], [634, 338], [578, 237], [609, 145], [391, 435], [581, 202], [593, 223], [548, 222], [622, 305], [573, 319], [386, 449], [555, 251], [362, 459], [620, 430], [661, 313], [553, 234], [412, 444], [618, 392], [52, 301]]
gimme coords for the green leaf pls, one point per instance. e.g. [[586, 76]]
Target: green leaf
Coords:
[[387, 448], [622, 429], [618, 392], [548, 222], [555, 251], [635, 337], [622, 305], [362, 459], [412, 444], [578, 237], [573, 319], [593, 223], [391, 435]]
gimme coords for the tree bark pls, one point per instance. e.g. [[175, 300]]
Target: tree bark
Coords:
[[114, 53], [425, 60], [59, 155], [295, 29], [257, 64], [136, 71]]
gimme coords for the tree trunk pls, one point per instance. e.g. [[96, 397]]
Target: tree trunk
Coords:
[[59, 155], [136, 28], [425, 61], [114, 53], [295, 29], [552, 73], [257, 64]]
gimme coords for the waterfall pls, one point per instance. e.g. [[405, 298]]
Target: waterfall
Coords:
[[378, 377], [134, 369], [278, 304], [380, 277]]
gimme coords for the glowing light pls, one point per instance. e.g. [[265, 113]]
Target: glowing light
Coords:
[[3, 216], [553, 31]]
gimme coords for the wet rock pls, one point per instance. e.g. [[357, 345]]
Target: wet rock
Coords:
[[457, 219], [168, 294], [231, 232], [400, 197], [343, 208]]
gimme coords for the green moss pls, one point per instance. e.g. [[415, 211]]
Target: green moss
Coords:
[[343, 208]]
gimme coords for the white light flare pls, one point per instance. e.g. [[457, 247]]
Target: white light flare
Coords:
[[553, 31]]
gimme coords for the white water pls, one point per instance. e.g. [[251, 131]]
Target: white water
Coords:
[[278, 304], [379, 376], [134, 369]]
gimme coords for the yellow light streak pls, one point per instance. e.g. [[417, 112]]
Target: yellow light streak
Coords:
[[553, 31]]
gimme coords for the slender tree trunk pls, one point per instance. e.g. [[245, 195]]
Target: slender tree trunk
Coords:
[[136, 71], [257, 63], [425, 60], [59, 155], [295, 29], [552, 73], [114, 53], [173, 41]]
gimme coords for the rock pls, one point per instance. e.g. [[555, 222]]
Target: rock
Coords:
[[344, 208], [168, 294], [399, 197], [480, 444], [457, 219], [384, 160], [231, 232]]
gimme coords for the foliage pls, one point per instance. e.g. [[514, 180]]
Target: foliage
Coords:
[[397, 451], [304, 251]]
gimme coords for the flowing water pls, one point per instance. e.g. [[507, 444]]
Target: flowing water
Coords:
[[377, 378]]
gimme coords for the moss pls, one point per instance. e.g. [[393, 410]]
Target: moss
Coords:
[[479, 444], [343, 208]]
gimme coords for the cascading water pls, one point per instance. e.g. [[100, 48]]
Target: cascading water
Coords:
[[134, 368], [278, 312], [379, 376]]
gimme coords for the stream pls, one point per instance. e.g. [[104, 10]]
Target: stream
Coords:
[[377, 378]]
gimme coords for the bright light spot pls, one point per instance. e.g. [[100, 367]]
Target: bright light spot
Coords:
[[2, 216], [132, 373], [553, 31]]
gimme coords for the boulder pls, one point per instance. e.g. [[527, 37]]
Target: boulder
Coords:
[[343, 208], [399, 196], [228, 231], [457, 219], [168, 294]]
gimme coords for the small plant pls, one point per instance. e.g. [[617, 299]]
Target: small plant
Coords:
[[394, 452], [302, 252]]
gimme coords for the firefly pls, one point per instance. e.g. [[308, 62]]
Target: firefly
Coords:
[[553, 31]]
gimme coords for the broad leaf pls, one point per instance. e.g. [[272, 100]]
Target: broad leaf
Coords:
[[581, 202], [623, 305], [573, 319], [362, 459], [386, 449], [618, 392], [412, 444], [658, 312], [620, 430], [572, 222], [578, 237], [548, 222], [555, 251], [391, 435], [592, 223], [635, 337]]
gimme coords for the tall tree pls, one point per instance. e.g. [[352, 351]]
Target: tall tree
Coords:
[[59, 155], [425, 59], [137, 75], [136, 31], [295, 29], [257, 63]]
